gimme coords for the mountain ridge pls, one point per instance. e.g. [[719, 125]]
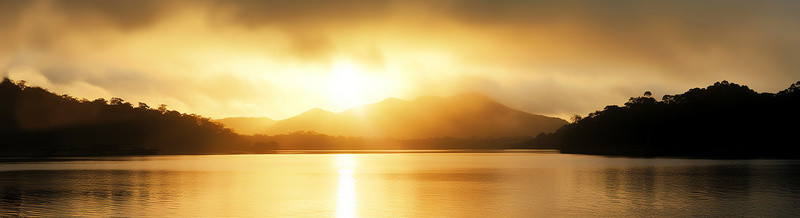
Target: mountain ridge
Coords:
[[423, 117]]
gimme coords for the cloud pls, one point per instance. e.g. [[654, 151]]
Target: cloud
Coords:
[[685, 38], [270, 58], [125, 14], [300, 13]]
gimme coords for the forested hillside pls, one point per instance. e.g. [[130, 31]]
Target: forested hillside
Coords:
[[37, 122], [722, 120]]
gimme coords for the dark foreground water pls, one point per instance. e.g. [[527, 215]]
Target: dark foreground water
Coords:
[[407, 184]]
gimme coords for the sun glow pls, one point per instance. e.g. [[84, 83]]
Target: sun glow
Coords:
[[348, 84]]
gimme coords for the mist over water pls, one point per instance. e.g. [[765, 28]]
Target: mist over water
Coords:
[[392, 184]]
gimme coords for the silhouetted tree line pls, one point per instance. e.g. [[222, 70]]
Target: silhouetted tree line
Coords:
[[722, 120], [36, 122]]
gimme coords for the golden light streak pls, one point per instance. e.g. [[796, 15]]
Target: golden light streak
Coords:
[[346, 191]]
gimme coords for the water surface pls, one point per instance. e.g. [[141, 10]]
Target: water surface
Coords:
[[399, 184]]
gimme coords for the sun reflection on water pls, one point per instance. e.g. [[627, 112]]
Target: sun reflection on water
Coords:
[[346, 191]]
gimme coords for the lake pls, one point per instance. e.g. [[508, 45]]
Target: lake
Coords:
[[507, 184]]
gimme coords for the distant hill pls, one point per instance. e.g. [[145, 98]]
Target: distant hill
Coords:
[[466, 115], [724, 120], [246, 125], [35, 122]]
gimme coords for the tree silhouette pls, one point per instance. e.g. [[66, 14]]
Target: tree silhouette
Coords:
[[722, 120], [162, 108], [576, 118], [36, 122]]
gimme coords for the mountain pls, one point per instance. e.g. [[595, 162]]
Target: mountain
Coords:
[[465, 115], [35, 122], [246, 125]]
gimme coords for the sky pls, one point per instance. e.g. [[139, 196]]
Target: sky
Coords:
[[280, 58]]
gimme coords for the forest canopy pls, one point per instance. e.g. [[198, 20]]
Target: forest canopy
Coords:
[[721, 120], [37, 122]]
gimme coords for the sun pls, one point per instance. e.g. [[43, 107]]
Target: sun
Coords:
[[348, 84]]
